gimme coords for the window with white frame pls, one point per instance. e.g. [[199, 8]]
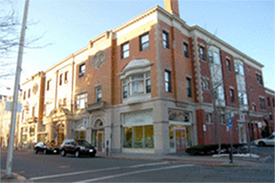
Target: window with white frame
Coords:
[[205, 84], [136, 84], [185, 49], [49, 84], [168, 87], [144, 42], [98, 94], [189, 87], [262, 103], [217, 58], [202, 52], [228, 65], [81, 101], [208, 117], [242, 98], [82, 69], [219, 93], [125, 50], [165, 40], [214, 57]]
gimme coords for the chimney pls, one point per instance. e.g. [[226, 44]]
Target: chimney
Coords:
[[172, 6]]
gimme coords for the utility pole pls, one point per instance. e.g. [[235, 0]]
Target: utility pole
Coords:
[[15, 93]]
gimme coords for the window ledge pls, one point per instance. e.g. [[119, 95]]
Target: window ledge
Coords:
[[135, 99]]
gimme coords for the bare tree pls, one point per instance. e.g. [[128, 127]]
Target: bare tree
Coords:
[[10, 26]]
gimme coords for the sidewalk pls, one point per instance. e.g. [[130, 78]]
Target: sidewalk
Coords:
[[14, 178], [187, 159]]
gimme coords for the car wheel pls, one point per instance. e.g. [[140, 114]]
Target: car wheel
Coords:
[[261, 143], [35, 151], [63, 153], [45, 151], [77, 154], [92, 155]]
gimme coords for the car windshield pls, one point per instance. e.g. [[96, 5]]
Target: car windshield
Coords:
[[83, 143]]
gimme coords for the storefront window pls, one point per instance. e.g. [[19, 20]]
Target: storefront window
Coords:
[[171, 136], [128, 137], [139, 137], [149, 134], [79, 135]]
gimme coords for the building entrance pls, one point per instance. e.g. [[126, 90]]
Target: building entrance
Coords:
[[99, 141], [180, 139]]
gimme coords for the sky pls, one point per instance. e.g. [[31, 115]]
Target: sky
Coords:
[[65, 26]]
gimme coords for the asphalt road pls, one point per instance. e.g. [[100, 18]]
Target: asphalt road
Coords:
[[54, 168]]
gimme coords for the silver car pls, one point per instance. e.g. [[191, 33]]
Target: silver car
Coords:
[[266, 141]]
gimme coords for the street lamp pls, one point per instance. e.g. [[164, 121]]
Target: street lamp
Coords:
[[15, 94]]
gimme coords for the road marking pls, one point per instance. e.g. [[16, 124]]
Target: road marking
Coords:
[[99, 170], [131, 173]]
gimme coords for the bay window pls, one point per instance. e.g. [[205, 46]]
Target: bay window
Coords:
[[136, 84]]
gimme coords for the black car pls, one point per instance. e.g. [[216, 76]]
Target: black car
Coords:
[[48, 148], [77, 147]]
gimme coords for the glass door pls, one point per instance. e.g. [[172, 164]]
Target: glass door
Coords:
[[180, 140], [99, 141]]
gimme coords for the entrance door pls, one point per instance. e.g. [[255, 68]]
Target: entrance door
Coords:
[[99, 141], [180, 139], [242, 134]]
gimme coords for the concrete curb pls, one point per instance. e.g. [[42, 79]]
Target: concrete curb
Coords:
[[15, 177]]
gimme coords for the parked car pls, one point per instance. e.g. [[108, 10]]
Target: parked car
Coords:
[[266, 141], [48, 148], [77, 147]]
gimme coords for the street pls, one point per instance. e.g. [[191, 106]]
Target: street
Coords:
[[54, 168]]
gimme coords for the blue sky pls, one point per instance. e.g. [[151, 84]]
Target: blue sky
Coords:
[[68, 25]]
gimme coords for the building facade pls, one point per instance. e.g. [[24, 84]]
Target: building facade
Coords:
[[152, 85]]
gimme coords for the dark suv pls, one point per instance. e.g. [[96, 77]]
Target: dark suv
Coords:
[[77, 147]]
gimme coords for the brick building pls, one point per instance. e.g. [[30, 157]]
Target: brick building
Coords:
[[153, 85]]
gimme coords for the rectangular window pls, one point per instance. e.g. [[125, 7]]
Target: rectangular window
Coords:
[[60, 79], [217, 58], [253, 107], [185, 49], [148, 83], [205, 85], [124, 89], [144, 42], [24, 95], [66, 77], [125, 50], [33, 111], [228, 65], [138, 137], [208, 117], [29, 93], [189, 87], [81, 101], [268, 102], [64, 101], [262, 103], [165, 40], [202, 52], [241, 69], [49, 85], [232, 98], [168, 81], [259, 79], [82, 69], [98, 94], [237, 68]]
